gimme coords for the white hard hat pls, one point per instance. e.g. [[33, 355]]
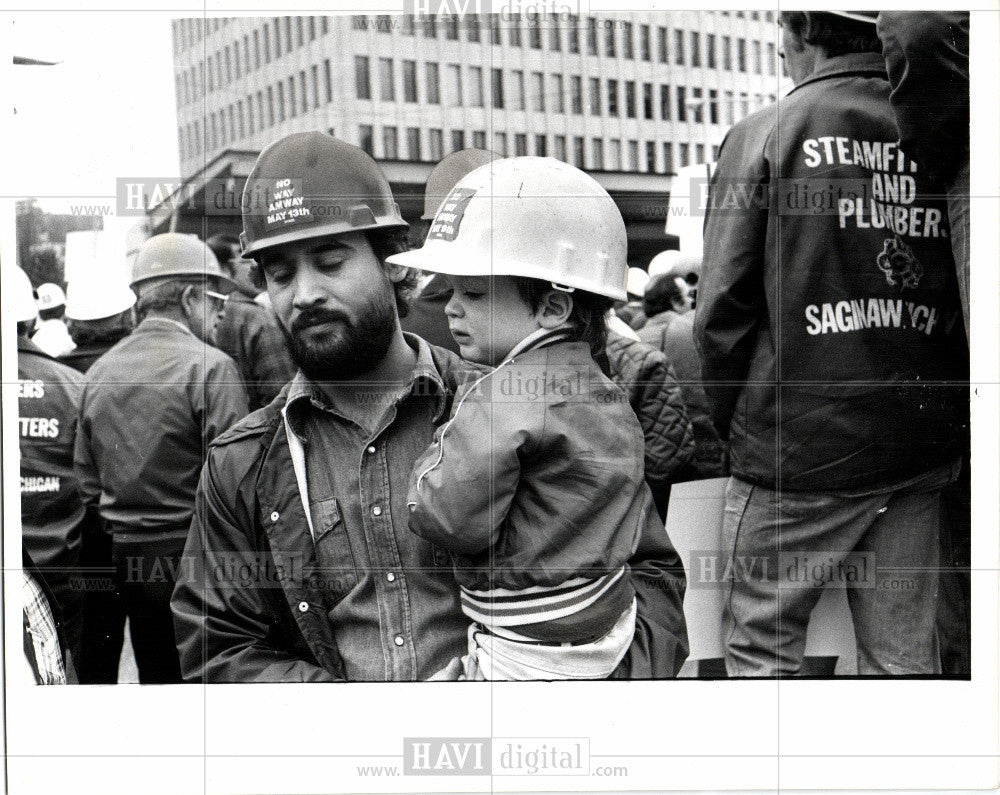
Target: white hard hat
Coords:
[[535, 217], [662, 263], [92, 300], [50, 296], [25, 307], [637, 281]]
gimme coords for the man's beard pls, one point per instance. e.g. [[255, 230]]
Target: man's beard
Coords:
[[355, 350]]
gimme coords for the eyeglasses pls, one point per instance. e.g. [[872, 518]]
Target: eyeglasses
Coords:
[[220, 297]]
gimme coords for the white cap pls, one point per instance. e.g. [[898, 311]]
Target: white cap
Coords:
[[637, 281], [50, 296], [24, 304]]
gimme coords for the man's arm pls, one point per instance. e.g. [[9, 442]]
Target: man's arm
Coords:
[[730, 290], [660, 645], [226, 399], [88, 484], [462, 486], [224, 630]]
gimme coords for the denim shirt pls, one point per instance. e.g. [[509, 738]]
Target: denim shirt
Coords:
[[369, 562]]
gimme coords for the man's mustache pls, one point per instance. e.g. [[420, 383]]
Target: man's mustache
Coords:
[[314, 317]]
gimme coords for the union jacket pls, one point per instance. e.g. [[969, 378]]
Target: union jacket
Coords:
[[827, 306], [249, 511]]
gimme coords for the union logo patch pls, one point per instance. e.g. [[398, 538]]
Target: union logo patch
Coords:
[[899, 264]]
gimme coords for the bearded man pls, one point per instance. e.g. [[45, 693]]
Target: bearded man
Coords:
[[306, 568]]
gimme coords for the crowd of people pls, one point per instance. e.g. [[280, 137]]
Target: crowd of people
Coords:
[[317, 453]]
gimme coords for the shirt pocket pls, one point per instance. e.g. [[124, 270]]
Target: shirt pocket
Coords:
[[336, 573]]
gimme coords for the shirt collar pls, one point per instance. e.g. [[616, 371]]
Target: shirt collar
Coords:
[[425, 379], [851, 63], [164, 321]]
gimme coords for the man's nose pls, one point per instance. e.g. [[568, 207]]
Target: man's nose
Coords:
[[308, 288]]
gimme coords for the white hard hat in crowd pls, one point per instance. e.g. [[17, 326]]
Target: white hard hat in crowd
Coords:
[[662, 263], [50, 296], [24, 304], [92, 300], [637, 281], [535, 217]]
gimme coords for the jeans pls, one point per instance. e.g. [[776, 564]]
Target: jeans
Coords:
[[785, 546]]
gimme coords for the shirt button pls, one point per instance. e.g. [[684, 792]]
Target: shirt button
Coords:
[[377, 510], [398, 640], [274, 516], [303, 607], [390, 576], [371, 449]]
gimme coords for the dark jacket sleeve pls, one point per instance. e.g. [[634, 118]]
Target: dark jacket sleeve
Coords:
[[462, 486], [226, 399], [730, 293], [660, 645], [224, 630]]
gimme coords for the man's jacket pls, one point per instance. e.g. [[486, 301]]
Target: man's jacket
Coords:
[[249, 511], [827, 306]]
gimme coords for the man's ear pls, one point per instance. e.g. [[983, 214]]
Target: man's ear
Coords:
[[396, 273], [554, 308], [188, 300]]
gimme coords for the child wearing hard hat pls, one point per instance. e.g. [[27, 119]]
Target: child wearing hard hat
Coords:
[[535, 483]]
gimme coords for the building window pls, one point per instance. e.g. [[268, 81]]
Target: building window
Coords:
[[597, 154], [710, 50], [664, 102], [627, 50], [699, 153], [615, 163], [647, 101], [679, 47], [315, 85], [362, 82], [644, 49], [435, 140], [430, 32], [559, 152], [288, 34], [365, 138], [495, 29], [578, 151], [270, 106], [651, 157], [697, 106], [251, 120], [267, 44], [612, 97], [727, 53], [514, 31], [668, 158], [695, 48], [538, 91], [386, 78], [451, 27], [520, 145], [409, 81], [260, 110], [431, 78], [303, 92], [390, 143], [328, 76], [685, 155], [409, 28], [541, 147], [413, 143], [630, 99], [682, 114], [558, 105], [453, 85], [728, 105], [715, 152], [534, 32], [744, 104], [757, 65], [591, 36], [555, 37], [770, 59], [496, 86], [576, 94], [281, 101], [594, 95], [472, 28], [241, 129], [741, 54], [312, 28], [298, 32], [479, 139], [476, 80], [457, 140], [661, 44], [573, 34], [517, 78], [500, 143], [713, 106], [609, 41]]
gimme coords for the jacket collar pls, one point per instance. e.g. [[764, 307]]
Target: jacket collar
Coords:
[[853, 63], [164, 323]]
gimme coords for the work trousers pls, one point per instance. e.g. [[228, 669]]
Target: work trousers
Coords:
[[786, 546], [103, 611]]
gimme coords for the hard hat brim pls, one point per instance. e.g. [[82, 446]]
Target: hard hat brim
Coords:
[[471, 264], [313, 232], [221, 280]]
